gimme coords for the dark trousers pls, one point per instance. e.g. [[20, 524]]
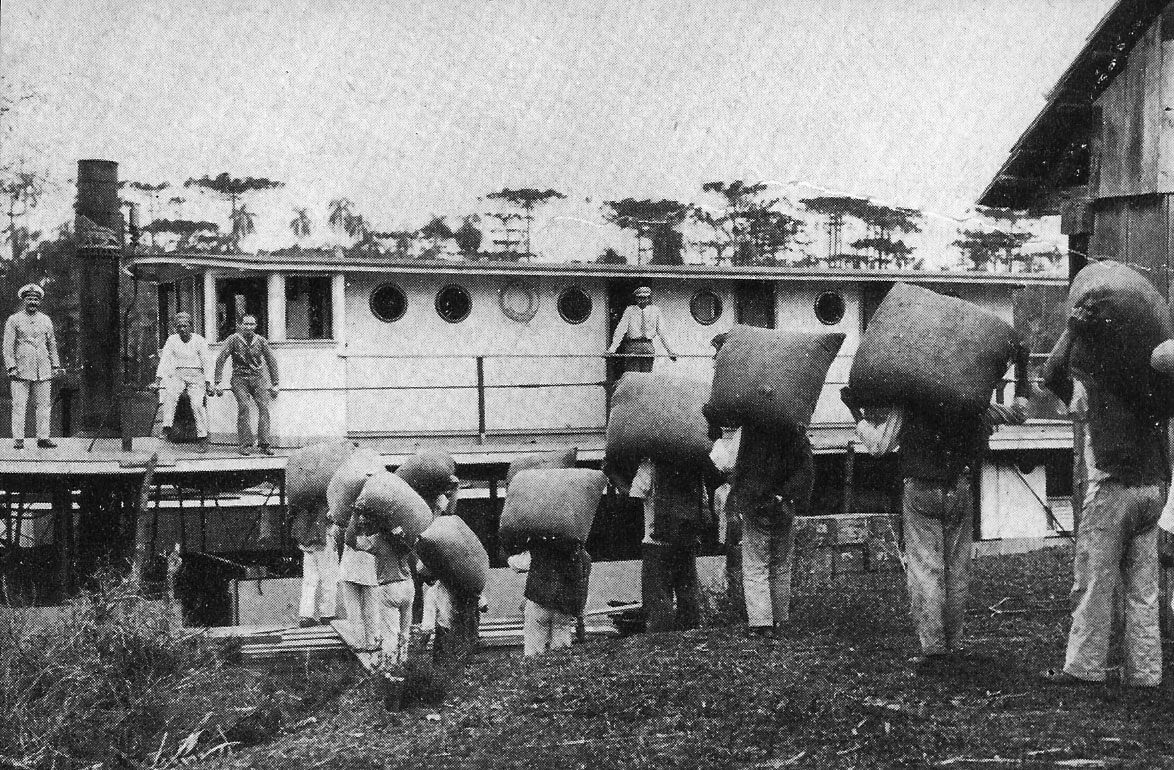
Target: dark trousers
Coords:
[[255, 390], [668, 572], [640, 355]]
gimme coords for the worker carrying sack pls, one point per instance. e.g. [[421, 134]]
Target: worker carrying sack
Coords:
[[307, 475], [770, 378], [922, 347], [557, 503], [394, 505], [659, 416], [430, 472], [348, 481], [555, 458], [454, 554], [1117, 319]]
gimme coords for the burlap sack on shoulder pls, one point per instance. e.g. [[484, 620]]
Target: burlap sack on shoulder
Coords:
[[453, 552], [348, 481], [558, 503], [308, 471], [555, 458], [922, 347], [394, 505], [659, 416], [770, 377], [430, 472], [1125, 319]]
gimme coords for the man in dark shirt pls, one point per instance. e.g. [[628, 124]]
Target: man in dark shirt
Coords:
[[1117, 540], [769, 487], [252, 359], [556, 593]]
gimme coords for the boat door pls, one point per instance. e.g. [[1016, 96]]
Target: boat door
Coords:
[[756, 303], [619, 296]]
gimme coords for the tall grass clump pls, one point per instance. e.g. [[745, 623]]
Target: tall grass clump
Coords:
[[88, 682]]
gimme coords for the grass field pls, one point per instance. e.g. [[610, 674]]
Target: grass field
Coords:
[[835, 691]]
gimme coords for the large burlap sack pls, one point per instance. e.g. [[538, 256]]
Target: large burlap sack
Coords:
[[556, 503], [554, 458], [658, 416], [347, 482], [452, 552], [308, 472], [1123, 319], [394, 505], [922, 347], [770, 378], [430, 472]]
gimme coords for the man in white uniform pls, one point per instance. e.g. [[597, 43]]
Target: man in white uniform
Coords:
[[641, 325], [30, 359], [185, 365]]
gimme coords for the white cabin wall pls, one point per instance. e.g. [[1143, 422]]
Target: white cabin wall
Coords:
[[795, 311]]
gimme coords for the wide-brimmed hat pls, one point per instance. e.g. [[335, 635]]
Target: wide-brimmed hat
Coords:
[[643, 291], [30, 288]]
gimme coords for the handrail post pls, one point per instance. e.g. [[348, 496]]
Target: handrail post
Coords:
[[481, 399]]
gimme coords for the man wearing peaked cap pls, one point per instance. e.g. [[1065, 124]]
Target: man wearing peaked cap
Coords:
[[639, 328], [30, 359]]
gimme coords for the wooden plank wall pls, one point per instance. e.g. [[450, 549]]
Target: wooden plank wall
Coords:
[[1137, 231], [1132, 122]]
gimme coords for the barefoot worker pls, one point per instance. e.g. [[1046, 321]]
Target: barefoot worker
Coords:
[[30, 359], [185, 365], [252, 363]]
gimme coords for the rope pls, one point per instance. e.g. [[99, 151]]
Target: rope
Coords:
[[1055, 523]]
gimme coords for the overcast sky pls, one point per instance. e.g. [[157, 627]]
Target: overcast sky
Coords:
[[412, 109]]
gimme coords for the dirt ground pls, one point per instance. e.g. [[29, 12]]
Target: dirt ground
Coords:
[[837, 690]]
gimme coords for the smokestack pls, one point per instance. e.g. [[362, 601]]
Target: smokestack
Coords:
[[99, 234]]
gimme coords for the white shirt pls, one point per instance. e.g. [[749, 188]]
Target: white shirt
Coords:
[[880, 430], [638, 323], [177, 354]]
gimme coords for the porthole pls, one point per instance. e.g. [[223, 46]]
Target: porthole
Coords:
[[519, 301], [388, 302], [453, 303], [574, 305], [829, 307], [706, 307]]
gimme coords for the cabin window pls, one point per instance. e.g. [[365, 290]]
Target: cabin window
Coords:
[[453, 303], [706, 307], [238, 297], [388, 302], [574, 305], [518, 301], [829, 308], [307, 307]]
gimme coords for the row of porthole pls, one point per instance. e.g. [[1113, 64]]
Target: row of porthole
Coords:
[[453, 303]]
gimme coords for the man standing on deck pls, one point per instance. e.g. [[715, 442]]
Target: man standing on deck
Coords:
[[251, 357], [637, 332], [30, 359], [185, 366]]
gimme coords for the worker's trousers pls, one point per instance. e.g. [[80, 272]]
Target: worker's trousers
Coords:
[[768, 548], [1117, 543], [256, 390], [42, 395], [546, 629], [362, 612], [192, 381], [319, 583], [939, 539], [669, 572], [395, 619]]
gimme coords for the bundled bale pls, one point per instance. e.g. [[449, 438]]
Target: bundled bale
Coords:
[[309, 470], [348, 481], [452, 552], [658, 416], [554, 458], [430, 472], [556, 503], [922, 347], [1121, 319], [394, 505], [770, 378]]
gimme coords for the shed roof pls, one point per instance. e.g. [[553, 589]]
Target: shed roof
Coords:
[[164, 267], [1053, 151]]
